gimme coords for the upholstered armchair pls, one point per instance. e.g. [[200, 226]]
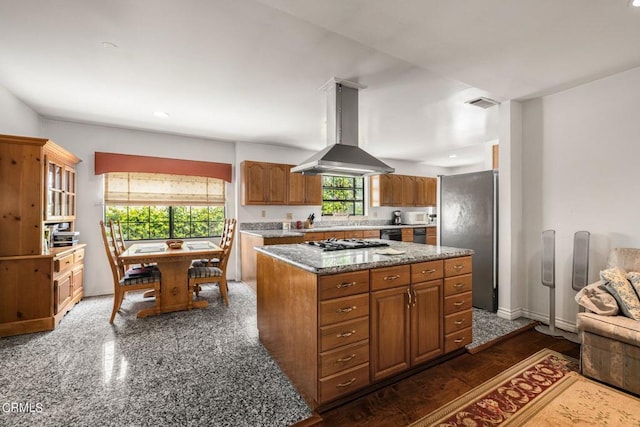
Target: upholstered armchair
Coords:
[[610, 350]]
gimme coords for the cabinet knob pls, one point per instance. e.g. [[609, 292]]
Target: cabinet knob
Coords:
[[459, 340], [458, 267], [397, 276], [347, 384], [346, 334], [458, 304], [430, 271], [459, 322], [458, 285], [346, 309]]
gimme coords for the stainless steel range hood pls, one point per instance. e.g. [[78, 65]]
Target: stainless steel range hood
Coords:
[[342, 155]]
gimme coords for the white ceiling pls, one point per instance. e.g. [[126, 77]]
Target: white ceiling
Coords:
[[249, 70]]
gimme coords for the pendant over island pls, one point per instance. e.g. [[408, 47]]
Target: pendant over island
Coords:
[[343, 323]]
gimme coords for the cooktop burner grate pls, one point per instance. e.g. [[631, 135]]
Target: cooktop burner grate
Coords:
[[344, 244]]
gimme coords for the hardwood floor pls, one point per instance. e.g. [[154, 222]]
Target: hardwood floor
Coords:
[[412, 398]]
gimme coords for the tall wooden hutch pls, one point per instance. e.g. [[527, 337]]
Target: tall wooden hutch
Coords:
[[38, 284]]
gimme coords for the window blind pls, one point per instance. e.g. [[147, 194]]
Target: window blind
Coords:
[[140, 188]]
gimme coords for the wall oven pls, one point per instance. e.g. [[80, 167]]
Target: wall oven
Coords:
[[391, 234]]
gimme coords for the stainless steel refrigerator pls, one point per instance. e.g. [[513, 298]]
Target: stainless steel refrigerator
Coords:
[[468, 218]]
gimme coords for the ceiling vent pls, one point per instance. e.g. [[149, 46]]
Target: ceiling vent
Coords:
[[483, 102]]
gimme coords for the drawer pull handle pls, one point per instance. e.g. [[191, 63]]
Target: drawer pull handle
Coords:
[[346, 359], [459, 322], [430, 271], [397, 276], [346, 334], [346, 309], [459, 340], [347, 384], [458, 267], [345, 285], [458, 285], [458, 304]]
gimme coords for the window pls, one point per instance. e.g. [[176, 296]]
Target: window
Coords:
[[342, 195], [162, 206]]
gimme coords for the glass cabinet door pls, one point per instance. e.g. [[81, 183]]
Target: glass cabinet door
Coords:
[[55, 190], [69, 192]]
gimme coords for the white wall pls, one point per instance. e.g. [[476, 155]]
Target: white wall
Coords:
[[16, 118], [84, 141], [581, 153]]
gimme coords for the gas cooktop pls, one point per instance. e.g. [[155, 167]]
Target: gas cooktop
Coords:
[[344, 244]]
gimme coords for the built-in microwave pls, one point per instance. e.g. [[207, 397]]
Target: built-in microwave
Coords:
[[414, 217]]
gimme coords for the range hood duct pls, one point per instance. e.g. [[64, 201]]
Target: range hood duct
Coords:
[[342, 155]]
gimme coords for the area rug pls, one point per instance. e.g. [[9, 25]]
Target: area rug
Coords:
[[542, 390]]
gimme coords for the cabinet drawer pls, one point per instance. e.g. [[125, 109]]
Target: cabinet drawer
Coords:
[[431, 231], [457, 340], [313, 236], [344, 382], [457, 266], [370, 234], [341, 309], [425, 271], [344, 333], [457, 321], [353, 234], [78, 256], [456, 303], [457, 285], [344, 357], [63, 263], [390, 277], [341, 285]]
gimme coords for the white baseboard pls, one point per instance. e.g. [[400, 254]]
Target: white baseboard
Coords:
[[563, 324]]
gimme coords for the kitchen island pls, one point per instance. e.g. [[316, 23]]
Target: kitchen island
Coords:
[[342, 323]]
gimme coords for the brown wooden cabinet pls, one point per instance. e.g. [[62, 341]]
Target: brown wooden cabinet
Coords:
[[264, 183], [432, 238], [334, 335], [304, 189], [407, 234], [402, 190], [406, 320], [273, 184], [38, 183]]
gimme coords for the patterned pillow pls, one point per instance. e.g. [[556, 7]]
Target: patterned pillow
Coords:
[[634, 278], [622, 291]]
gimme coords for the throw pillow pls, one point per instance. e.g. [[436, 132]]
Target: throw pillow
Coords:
[[634, 278], [597, 299], [622, 291]]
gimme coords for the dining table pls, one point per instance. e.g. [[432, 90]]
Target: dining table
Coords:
[[173, 264]]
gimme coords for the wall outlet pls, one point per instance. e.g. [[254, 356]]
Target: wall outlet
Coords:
[[289, 216], [375, 214], [263, 214]]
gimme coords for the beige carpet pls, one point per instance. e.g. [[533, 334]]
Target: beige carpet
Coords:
[[543, 390]]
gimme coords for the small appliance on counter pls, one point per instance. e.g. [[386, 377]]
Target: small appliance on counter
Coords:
[[396, 218], [415, 217], [65, 238], [432, 215]]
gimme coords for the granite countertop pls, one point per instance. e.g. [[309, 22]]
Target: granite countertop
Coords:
[[301, 232], [316, 261]]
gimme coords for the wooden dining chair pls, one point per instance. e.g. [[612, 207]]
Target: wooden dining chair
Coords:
[[123, 283], [218, 274], [229, 226]]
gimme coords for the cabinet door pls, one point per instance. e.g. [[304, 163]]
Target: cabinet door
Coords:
[[313, 190], [277, 188], [421, 191], [396, 190], [408, 191], [407, 234], [390, 328], [427, 340], [432, 184], [296, 194], [254, 177], [63, 291], [77, 279], [54, 175], [69, 205], [380, 190]]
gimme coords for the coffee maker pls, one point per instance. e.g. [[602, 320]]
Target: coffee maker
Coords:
[[432, 214], [396, 218]]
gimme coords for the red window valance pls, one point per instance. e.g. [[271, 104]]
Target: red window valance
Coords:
[[112, 162]]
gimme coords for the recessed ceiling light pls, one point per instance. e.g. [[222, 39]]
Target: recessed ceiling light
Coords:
[[634, 3], [109, 45], [453, 156], [161, 114]]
